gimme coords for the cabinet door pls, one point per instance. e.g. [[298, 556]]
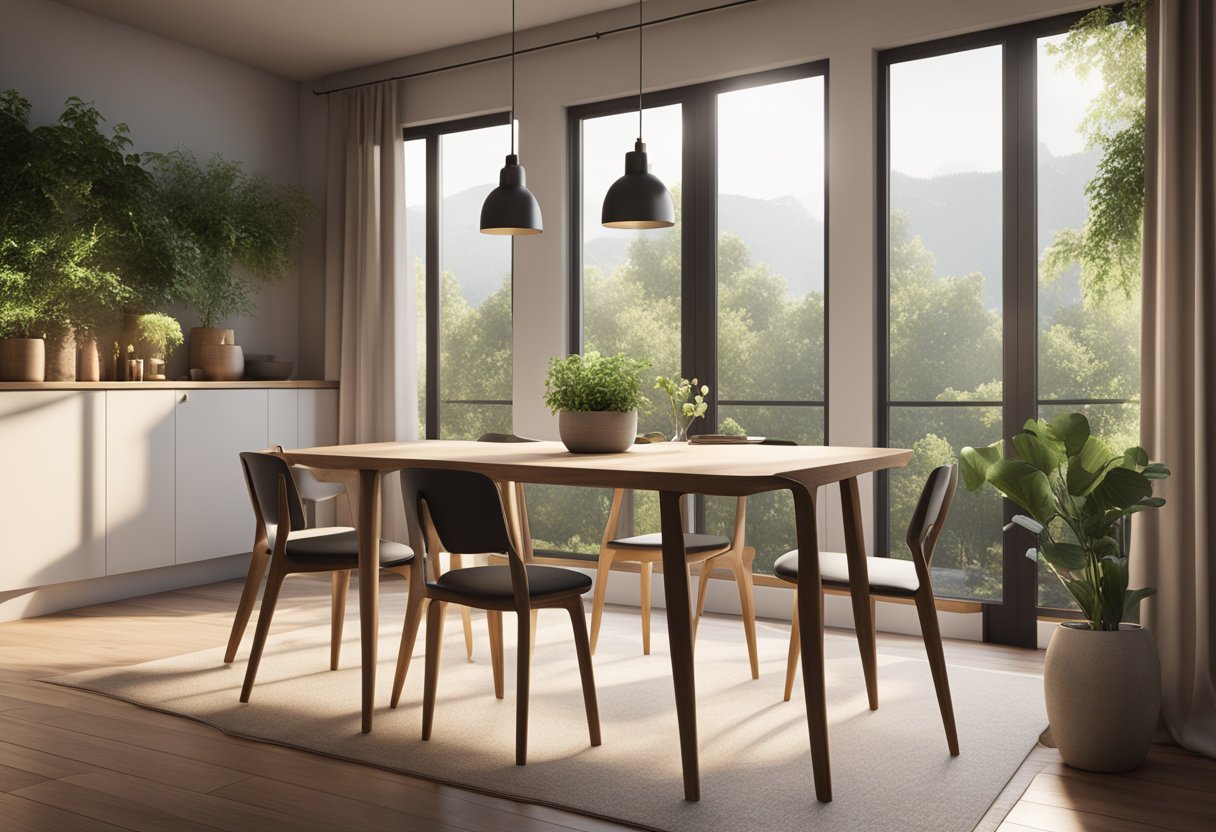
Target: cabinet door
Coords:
[[214, 518], [318, 422], [140, 480], [52, 487], [283, 419]]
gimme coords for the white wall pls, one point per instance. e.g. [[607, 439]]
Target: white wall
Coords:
[[169, 95], [766, 34]]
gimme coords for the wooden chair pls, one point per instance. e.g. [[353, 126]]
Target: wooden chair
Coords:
[[293, 548], [312, 493], [465, 511], [894, 578], [647, 549]]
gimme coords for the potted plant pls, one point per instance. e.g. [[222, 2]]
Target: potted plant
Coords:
[[232, 231], [596, 398], [683, 411], [162, 334], [1102, 677]]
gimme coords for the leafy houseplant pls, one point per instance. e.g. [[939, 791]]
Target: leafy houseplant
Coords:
[[231, 231], [1076, 490], [597, 399], [683, 411]]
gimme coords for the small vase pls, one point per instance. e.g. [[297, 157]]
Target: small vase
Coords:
[[681, 434]]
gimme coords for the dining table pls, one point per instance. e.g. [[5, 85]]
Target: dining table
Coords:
[[674, 470]]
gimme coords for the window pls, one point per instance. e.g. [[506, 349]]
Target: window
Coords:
[[463, 278], [986, 150], [733, 294]]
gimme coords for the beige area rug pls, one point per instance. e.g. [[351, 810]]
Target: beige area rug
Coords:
[[890, 768]]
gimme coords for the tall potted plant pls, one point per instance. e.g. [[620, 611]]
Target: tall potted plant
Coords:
[[232, 231], [596, 399], [1102, 677]]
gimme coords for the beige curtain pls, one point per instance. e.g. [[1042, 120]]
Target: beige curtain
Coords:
[[1173, 549], [370, 343]]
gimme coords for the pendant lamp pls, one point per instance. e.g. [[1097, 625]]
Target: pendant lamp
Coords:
[[639, 199], [511, 208]]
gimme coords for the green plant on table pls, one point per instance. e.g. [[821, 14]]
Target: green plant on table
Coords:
[[1075, 490], [683, 411], [162, 333], [595, 382]]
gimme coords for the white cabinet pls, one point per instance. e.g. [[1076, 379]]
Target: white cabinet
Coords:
[[282, 420], [318, 420], [52, 487], [140, 480], [214, 518]]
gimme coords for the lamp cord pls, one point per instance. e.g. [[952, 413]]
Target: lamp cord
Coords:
[[640, 27], [512, 125]]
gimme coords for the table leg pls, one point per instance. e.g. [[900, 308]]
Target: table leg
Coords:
[[810, 626], [859, 586], [369, 585], [679, 635]]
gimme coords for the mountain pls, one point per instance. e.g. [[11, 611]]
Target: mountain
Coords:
[[957, 216]]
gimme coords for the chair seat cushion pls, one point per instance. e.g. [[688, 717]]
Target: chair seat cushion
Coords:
[[341, 543], [692, 542], [889, 576], [494, 582]]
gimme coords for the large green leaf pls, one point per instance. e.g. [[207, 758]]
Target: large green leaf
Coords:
[[1096, 455], [1113, 591], [1044, 455], [1065, 556], [1135, 458], [1132, 600], [1121, 488], [1083, 594], [1081, 481], [1156, 471], [1072, 429], [975, 462], [1025, 485]]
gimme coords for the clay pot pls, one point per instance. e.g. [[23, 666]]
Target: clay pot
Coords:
[[22, 359], [201, 336], [597, 432], [88, 364], [1103, 690], [61, 356], [222, 362]]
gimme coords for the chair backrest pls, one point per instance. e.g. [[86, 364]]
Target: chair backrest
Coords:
[[464, 508], [262, 475], [931, 511]]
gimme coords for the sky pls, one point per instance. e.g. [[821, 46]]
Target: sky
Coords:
[[945, 118]]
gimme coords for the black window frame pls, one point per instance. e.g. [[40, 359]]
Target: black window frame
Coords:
[[1014, 619], [699, 210], [432, 134]]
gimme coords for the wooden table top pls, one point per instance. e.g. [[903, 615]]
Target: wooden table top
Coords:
[[732, 470]]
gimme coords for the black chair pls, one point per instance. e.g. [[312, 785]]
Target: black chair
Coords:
[[293, 548], [895, 578], [463, 512]]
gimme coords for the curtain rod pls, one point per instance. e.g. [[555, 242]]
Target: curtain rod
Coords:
[[541, 47]]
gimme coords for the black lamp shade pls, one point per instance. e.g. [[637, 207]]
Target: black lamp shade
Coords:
[[639, 199], [511, 208]]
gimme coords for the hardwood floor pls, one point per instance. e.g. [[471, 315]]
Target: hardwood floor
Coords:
[[76, 761]]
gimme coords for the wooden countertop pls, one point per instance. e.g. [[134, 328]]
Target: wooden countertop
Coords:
[[166, 385]]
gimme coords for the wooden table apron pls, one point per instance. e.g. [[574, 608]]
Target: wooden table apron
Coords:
[[673, 470]]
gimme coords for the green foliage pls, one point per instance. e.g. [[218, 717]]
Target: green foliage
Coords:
[[162, 333], [1108, 246], [1076, 491], [222, 217], [683, 411], [77, 225], [593, 382]]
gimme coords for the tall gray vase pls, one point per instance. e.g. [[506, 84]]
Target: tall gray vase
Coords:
[[1103, 691]]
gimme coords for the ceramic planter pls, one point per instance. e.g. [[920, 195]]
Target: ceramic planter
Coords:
[[597, 432], [61, 356], [222, 362], [201, 336], [1103, 691], [88, 364], [22, 359]]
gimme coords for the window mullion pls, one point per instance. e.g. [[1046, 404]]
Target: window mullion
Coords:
[[434, 216]]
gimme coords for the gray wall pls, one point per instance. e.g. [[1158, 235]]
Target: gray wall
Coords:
[[169, 95]]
